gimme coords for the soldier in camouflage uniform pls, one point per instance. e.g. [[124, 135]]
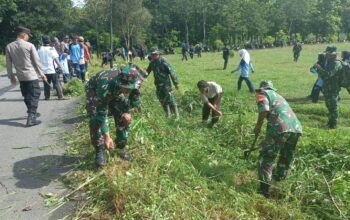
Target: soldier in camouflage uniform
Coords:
[[282, 134], [105, 93], [331, 75], [163, 71], [296, 51]]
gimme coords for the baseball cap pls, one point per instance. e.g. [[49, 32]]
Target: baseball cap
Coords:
[[128, 77], [155, 50], [266, 84]]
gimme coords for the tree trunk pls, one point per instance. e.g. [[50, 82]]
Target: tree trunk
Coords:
[[186, 33], [111, 27], [204, 28]]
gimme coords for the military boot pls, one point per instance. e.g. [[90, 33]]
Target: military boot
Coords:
[[100, 156], [31, 120], [264, 190], [125, 156]]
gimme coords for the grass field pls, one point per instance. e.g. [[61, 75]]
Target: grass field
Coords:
[[183, 170]]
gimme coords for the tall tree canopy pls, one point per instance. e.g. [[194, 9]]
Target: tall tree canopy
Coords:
[[170, 22]]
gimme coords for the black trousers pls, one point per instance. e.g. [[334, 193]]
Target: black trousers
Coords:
[[54, 78], [206, 110], [225, 63], [31, 93]]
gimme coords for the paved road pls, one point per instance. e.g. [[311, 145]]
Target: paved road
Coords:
[[31, 159]]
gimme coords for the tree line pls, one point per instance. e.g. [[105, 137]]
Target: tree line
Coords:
[[167, 23]]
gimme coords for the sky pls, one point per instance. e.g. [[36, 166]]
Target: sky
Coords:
[[78, 3]]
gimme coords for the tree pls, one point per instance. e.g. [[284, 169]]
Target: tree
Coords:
[[131, 20]]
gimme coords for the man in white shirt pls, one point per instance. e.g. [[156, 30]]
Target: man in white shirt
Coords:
[[48, 56], [211, 96]]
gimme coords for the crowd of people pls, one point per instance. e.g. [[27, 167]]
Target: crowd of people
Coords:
[[116, 91]]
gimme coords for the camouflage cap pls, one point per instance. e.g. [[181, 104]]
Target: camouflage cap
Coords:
[[155, 50], [128, 77], [266, 84], [331, 49]]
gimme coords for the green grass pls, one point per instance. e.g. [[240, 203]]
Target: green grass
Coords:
[[183, 170], [2, 62]]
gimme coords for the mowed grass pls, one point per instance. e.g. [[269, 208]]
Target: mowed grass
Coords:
[[184, 170]]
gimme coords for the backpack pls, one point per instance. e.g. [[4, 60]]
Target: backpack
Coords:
[[345, 76]]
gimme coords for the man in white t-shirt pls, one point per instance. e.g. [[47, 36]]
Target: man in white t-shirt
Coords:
[[211, 96], [48, 56]]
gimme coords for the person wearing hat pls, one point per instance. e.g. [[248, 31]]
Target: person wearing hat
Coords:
[[163, 72], [331, 75], [282, 134], [24, 57], [49, 60], [105, 92], [211, 97]]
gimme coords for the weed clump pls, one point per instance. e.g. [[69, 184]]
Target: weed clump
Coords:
[[75, 87]]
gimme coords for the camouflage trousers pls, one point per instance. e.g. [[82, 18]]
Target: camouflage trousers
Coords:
[[331, 100], [166, 97], [134, 98], [116, 109], [285, 145]]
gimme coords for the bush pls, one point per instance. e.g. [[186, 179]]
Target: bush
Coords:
[[73, 88]]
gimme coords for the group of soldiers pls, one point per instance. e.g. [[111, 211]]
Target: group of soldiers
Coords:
[[106, 94]]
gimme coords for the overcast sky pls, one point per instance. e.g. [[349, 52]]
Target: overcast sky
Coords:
[[78, 3]]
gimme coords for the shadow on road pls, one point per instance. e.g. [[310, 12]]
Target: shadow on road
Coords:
[[12, 122], [11, 100], [74, 120], [36, 172]]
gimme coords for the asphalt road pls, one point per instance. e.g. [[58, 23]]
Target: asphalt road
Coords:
[[31, 159]]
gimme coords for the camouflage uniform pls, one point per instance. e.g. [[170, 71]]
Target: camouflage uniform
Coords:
[[331, 75], [283, 131], [163, 71], [296, 51], [103, 95]]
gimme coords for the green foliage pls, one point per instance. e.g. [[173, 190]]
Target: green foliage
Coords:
[[184, 170], [173, 39], [281, 36], [269, 39], [2, 62], [73, 88], [218, 45]]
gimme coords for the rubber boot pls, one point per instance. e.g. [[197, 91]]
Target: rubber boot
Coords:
[[100, 156], [264, 190], [176, 111], [31, 120], [168, 112]]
